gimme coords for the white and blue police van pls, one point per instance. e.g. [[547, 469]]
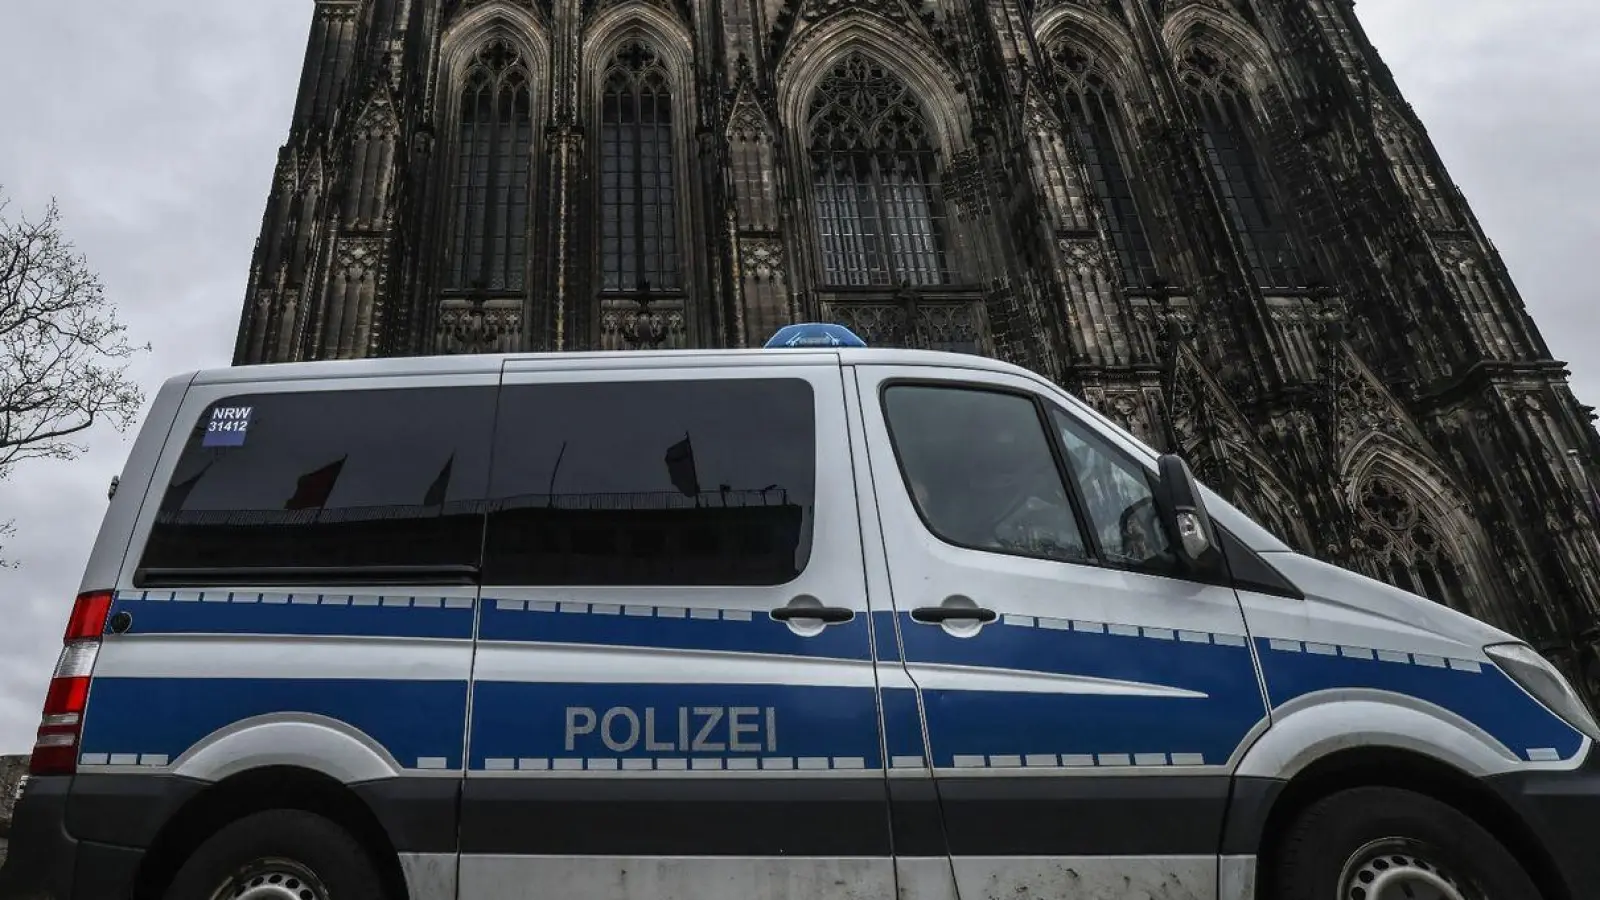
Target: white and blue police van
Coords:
[[814, 621]]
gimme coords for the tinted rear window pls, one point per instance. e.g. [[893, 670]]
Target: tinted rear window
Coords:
[[330, 478], [653, 483]]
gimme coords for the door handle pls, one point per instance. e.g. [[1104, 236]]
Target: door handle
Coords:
[[832, 615], [935, 615]]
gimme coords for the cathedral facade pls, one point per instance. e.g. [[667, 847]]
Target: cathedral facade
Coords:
[[1216, 220]]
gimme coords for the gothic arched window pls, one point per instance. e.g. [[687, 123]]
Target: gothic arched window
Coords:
[[638, 208], [1096, 121], [1404, 549], [1244, 179], [494, 145], [872, 170]]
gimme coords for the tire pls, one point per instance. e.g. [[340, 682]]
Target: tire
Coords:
[[1374, 843], [281, 854]]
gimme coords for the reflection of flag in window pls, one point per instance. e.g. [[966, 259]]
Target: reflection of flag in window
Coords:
[[680, 468], [312, 489], [441, 485]]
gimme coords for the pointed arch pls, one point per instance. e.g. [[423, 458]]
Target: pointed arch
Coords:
[[1094, 86], [494, 60], [1101, 38], [1198, 26], [1414, 529], [1225, 108], [639, 82], [873, 179], [637, 100], [906, 55]]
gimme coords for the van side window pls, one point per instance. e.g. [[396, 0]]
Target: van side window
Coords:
[[980, 470], [334, 478], [1119, 498], [704, 482]]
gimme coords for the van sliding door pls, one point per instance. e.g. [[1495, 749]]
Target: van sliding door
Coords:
[[673, 694]]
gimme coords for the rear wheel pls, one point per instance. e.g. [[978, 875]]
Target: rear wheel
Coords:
[[280, 854], [1389, 844]]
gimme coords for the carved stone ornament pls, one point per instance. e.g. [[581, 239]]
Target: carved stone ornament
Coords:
[[287, 173], [629, 324], [747, 121], [761, 257], [1361, 406], [1168, 7], [1129, 410], [378, 118], [965, 184], [933, 325], [1458, 254], [1107, 8], [359, 256], [454, 8], [1039, 114], [817, 10], [473, 327], [1084, 254]]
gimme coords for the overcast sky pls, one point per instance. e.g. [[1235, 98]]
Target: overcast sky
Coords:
[[156, 125]]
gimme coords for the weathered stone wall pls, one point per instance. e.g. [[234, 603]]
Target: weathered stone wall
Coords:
[[13, 771]]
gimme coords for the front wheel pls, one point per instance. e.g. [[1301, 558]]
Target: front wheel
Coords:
[[1379, 843], [280, 854]]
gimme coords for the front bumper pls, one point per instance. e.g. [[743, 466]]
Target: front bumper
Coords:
[[1560, 808]]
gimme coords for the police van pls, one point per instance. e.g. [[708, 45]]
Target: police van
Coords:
[[814, 621]]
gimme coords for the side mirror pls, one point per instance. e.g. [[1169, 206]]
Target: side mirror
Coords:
[[1183, 514]]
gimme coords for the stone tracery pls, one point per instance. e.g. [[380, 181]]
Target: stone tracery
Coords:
[[872, 176], [493, 170], [1404, 548]]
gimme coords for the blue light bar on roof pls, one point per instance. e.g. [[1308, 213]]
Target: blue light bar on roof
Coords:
[[814, 334]]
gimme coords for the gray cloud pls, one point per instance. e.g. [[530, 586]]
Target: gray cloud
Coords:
[[156, 124]]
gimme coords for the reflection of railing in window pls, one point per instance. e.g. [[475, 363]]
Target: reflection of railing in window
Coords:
[[732, 537], [341, 515], [741, 536]]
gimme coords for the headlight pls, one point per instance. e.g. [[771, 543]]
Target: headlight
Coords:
[[1539, 678]]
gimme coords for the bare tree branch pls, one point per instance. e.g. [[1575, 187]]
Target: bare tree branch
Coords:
[[63, 354]]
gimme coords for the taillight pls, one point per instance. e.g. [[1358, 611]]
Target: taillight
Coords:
[[56, 750]]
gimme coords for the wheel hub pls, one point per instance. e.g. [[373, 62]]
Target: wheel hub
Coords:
[[1398, 869], [272, 879]]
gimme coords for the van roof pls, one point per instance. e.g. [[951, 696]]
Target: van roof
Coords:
[[463, 364]]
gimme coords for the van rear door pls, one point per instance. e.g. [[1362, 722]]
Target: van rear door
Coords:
[[300, 592]]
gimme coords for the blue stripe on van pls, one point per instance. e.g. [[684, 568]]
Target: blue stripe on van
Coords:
[[1477, 691], [309, 614], [668, 727], [987, 729], [1217, 665], [1076, 719], [412, 720], [666, 627], [902, 728]]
